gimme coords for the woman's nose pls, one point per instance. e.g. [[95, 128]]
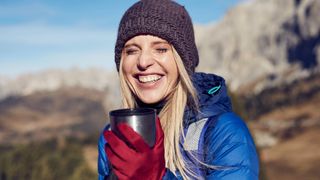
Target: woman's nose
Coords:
[[145, 60]]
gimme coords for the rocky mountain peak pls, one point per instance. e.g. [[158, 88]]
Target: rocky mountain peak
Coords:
[[53, 79], [262, 43]]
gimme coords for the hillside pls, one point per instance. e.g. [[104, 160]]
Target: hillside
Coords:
[[286, 95], [285, 122], [297, 158], [281, 132], [69, 112]]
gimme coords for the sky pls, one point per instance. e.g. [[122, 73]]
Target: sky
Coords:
[[43, 34]]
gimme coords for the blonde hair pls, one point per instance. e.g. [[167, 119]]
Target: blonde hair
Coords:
[[171, 115]]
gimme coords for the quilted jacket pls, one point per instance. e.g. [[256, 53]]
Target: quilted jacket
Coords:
[[214, 135]]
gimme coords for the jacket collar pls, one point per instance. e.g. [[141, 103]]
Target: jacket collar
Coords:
[[213, 97]]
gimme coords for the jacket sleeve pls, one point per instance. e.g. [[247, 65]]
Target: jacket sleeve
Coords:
[[103, 164], [230, 148]]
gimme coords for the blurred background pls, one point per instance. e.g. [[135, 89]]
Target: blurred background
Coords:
[[58, 80]]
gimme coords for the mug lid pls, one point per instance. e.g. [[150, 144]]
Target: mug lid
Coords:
[[132, 111]]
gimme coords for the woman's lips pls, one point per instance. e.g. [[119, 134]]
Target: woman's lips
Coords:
[[149, 78], [149, 81]]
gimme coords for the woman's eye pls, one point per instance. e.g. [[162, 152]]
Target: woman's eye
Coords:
[[162, 50], [131, 51]]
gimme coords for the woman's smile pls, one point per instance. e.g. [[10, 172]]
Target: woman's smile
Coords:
[[148, 78]]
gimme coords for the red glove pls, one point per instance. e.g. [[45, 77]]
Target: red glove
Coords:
[[136, 160]]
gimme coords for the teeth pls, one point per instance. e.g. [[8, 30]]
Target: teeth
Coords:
[[150, 78]]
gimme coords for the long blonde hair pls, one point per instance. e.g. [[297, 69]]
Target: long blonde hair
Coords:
[[171, 115]]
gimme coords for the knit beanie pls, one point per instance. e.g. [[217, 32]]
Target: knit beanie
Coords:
[[162, 18]]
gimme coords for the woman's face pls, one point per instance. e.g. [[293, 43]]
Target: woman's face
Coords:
[[149, 67]]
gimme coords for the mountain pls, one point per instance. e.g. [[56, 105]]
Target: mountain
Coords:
[[56, 103], [262, 43], [258, 44], [54, 79], [66, 112]]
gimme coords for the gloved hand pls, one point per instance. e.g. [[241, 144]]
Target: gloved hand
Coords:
[[136, 160]]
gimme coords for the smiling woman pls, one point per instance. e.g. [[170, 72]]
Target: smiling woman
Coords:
[[198, 135]]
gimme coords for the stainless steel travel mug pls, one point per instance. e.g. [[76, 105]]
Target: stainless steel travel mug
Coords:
[[141, 120]]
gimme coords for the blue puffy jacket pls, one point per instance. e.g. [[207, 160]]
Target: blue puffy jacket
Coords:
[[216, 136]]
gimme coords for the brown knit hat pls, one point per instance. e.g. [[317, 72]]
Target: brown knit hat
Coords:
[[162, 18]]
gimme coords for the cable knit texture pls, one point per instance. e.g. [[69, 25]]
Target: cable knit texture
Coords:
[[162, 18]]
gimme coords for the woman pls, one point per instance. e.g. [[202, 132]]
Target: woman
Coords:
[[199, 136]]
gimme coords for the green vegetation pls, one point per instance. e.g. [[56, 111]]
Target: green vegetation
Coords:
[[47, 160]]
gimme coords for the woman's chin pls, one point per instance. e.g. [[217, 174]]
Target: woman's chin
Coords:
[[150, 99]]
